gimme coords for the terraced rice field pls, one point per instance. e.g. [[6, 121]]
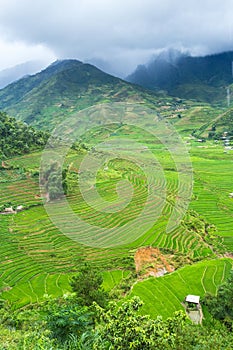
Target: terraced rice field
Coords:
[[36, 259], [113, 277], [23, 191], [164, 295], [213, 169]]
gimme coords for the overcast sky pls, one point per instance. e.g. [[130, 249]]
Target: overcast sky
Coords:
[[116, 34]]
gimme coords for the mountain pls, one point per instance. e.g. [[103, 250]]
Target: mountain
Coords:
[[65, 87], [9, 75], [201, 78]]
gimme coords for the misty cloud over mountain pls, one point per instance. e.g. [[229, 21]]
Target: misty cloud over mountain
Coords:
[[121, 33], [179, 74], [12, 74]]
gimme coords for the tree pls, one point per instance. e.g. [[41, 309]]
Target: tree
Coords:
[[18, 138], [87, 285], [221, 305], [123, 328], [63, 324], [65, 318], [54, 180]]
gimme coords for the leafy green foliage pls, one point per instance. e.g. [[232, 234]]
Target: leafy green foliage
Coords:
[[53, 179], [23, 329], [87, 285], [221, 305], [124, 328], [65, 318], [63, 324], [18, 138]]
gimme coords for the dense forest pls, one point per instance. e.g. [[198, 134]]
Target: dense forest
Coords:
[[18, 138]]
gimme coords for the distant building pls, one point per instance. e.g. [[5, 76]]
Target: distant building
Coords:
[[193, 299], [19, 208], [201, 140], [9, 210], [193, 308]]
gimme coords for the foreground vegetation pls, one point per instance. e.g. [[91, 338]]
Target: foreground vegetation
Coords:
[[77, 321]]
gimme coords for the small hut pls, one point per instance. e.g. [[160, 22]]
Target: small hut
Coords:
[[193, 301]]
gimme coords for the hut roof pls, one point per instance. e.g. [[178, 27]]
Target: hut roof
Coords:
[[193, 299]]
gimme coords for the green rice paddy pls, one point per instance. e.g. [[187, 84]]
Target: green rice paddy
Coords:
[[37, 260], [164, 295]]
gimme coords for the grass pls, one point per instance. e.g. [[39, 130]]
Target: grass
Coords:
[[36, 259], [38, 288], [212, 187], [164, 295], [113, 277]]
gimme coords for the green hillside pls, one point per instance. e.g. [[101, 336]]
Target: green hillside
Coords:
[[38, 261], [204, 78], [63, 88]]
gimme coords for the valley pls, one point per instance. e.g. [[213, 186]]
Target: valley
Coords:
[[38, 261]]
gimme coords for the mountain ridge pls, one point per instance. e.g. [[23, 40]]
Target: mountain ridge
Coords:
[[203, 78], [13, 74], [62, 88]]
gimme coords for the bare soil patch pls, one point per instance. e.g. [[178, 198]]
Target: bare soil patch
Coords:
[[229, 255], [150, 261]]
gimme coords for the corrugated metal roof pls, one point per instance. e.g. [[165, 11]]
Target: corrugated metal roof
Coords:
[[193, 299]]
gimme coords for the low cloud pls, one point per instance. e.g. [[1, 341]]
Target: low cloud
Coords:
[[119, 34]]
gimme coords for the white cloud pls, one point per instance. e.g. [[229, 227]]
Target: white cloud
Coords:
[[16, 52], [121, 32]]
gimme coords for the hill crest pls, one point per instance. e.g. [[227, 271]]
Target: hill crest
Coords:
[[202, 78]]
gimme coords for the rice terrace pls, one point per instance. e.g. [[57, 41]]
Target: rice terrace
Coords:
[[116, 204], [38, 260]]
